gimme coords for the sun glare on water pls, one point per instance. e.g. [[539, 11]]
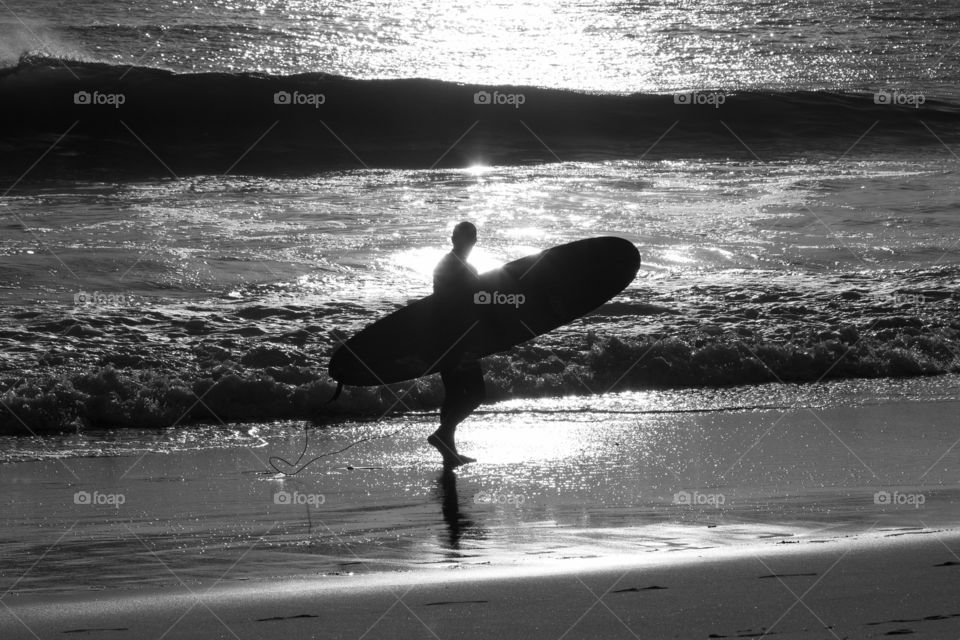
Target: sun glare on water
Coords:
[[478, 169], [420, 262]]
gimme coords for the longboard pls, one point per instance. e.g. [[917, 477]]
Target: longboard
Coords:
[[515, 303]]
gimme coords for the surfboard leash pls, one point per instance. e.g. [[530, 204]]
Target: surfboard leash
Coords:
[[306, 440], [306, 443]]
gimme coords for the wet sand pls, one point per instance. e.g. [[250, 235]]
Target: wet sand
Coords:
[[695, 502]]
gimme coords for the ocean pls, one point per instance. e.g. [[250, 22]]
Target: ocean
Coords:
[[200, 198]]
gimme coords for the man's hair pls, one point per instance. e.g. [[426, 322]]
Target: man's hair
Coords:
[[464, 232]]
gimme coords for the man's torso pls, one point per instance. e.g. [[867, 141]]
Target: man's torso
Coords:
[[454, 274]]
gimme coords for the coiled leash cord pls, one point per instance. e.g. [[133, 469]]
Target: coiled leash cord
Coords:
[[306, 442]]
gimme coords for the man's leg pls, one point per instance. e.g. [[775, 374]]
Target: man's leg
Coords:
[[448, 377], [463, 392], [452, 400], [471, 392], [476, 390]]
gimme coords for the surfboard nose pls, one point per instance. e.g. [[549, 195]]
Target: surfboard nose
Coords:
[[622, 251]]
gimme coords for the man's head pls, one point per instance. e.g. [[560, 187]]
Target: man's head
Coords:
[[464, 237]]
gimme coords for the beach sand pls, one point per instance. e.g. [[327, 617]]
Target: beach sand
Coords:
[[895, 583]]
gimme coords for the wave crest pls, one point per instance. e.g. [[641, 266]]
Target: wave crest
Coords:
[[232, 392], [116, 118]]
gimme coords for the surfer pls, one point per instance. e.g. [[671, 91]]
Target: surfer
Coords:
[[463, 383]]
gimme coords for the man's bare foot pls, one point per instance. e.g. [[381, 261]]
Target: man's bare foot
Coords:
[[445, 446], [460, 461], [448, 450]]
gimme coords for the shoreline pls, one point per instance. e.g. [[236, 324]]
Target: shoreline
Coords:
[[671, 401], [262, 362], [845, 587]]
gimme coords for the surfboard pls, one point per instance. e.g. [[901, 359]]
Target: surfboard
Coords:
[[515, 303]]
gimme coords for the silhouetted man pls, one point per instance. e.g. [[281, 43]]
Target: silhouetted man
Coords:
[[463, 383]]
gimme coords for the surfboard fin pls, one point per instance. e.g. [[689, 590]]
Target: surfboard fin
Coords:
[[336, 394]]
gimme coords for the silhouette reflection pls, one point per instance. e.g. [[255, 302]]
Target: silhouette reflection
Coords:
[[458, 524]]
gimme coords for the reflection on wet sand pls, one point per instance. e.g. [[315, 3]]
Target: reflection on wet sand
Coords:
[[458, 523]]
